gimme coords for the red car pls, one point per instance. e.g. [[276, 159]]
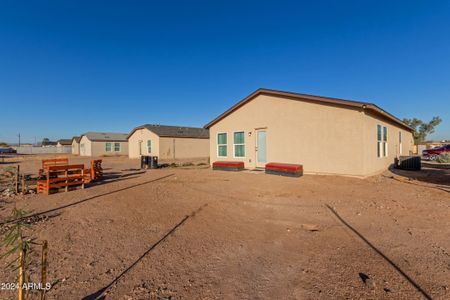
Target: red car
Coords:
[[432, 154]]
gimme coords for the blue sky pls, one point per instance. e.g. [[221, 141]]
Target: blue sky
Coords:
[[67, 67]]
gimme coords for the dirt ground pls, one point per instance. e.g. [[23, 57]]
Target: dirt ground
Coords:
[[194, 233]]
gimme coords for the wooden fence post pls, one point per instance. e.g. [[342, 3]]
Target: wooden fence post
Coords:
[[23, 185], [17, 179]]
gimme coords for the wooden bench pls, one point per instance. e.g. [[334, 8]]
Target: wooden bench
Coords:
[[292, 170], [95, 172], [228, 165], [52, 162], [58, 177]]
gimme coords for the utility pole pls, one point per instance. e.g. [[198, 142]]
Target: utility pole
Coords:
[[19, 139]]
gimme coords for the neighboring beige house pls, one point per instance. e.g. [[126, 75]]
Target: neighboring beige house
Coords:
[[103, 144], [76, 145], [63, 143], [169, 143], [63, 146], [325, 135]]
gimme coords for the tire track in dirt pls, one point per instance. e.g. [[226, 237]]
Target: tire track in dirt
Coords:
[[380, 253], [100, 294]]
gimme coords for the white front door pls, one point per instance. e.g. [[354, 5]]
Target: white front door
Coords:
[[261, 149]]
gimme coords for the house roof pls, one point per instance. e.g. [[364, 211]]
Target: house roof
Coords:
[[76, 138], [311, 98], [175, 131], [105, 136], [64, 142]]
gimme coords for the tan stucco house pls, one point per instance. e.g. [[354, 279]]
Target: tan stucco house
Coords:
[[63, 146], [169, 143], [63, 143], [76, 145], [325, 135], [103, 144]]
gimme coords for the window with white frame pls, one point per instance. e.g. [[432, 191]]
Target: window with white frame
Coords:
[[116, 147], [149, 146], [385, 143], [108, 147], [221, 144], [400, 146], [379, 137], [239, 144]]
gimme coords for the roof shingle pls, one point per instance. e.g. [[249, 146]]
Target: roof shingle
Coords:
[[76, 138], [175, 131], [64, 142], [106, 136]]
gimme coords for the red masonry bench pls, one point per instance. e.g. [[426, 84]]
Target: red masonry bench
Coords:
[[292, 170], [228, 165]]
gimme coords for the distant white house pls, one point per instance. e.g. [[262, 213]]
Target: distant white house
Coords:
[[64, 146], [103, 144], [76, 145], [63, 143]]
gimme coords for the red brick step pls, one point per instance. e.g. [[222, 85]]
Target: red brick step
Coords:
[[228, 165], [294, 170]]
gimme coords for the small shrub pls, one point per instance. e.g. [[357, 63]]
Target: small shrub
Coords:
[[188, 164], [202, 164], [17, 250], [173, 165], [8, 172], [443, 158], [14, 243]]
